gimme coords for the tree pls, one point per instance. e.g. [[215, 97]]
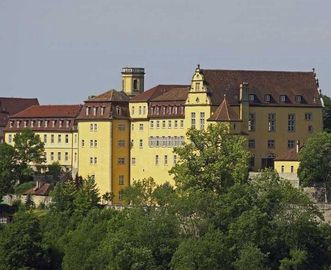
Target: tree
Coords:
[[28, 150], [7, 165], [327, 113], [212, 160], [20, 245], [315, 161]]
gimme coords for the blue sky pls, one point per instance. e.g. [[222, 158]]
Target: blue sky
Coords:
[[65, 50]]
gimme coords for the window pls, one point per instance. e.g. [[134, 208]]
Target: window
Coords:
[[175, 110], [144, 109], [121, 143], [163, 124], [181, 123], [87, 111], [267, 98], [11, 124], [91, 127], [176, 124], [95, 127], [193, 120], [282, 98], [39, 123], [252, 162], [133, 161], [292, 169], [52, 155], [141, 126], [290, 144], [169, 123], [10, 138], [271, 144], [95, 160], [91, 160], [197, 86], [310, 128], [75, 138], [251, 122], [75, 157], [67, 138], [175, 159], [251, 97], [202, 120], [298, 99], [308, 116], [59, 138], [53, 123], [135, 84], [59, 156], [271, 122], [32, 123], [45, 138], [25, 124], [83, 143], [17, 124], [132, 110], [251, 143], [165, 160], [95, 109], [132, 126], [121, 180], [140, 110], [66, 156], [282, 169], [152, 124], [91, 143], [95, 143], [67, 123], [121, 127], [52, 138], [46, 123], [140, 143], [157, 124], [291, 122], [102, 110], [121, 161], [157, 160], [60, 123]]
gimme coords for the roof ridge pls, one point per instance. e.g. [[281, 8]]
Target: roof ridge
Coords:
[[258, 70]]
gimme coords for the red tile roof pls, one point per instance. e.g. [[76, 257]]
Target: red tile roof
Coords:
[[261, 83], [10, 106], [111, 95], [43, 190], [156, 91], [174, 94], [50, 111], [224, 113], [290, 155]]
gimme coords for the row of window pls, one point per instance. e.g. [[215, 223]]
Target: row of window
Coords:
[[40, 123], [141, 110], [52, 138], [271, 144], [59, 156], [164, 141], [202, 120], [158, 160], [282, 98], [167, 110], [94, 161], [163, 124], [291, 122], [282, 169]]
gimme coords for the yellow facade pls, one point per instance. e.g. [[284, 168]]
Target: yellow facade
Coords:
[[287, 166], [61, 147]]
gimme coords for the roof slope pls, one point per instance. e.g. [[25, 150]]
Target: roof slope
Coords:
[[290, 155], [156, 92], [260, 83], [224, 112], [50, 111], [111, 95]]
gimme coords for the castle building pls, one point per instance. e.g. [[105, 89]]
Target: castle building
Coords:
[[130, 135], [10, 106]]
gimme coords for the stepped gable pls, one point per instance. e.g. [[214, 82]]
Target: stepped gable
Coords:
[[224, 113], [261, 83]]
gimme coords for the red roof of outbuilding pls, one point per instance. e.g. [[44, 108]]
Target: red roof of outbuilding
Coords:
[[50, 111]]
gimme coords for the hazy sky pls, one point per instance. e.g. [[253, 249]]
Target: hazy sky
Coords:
[[62, 51]]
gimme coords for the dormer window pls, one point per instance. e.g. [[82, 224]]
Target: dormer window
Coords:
[[282, 98], [252, 97], [18, 124], [60, 123], [157, 110], [68, 123], [87, 110], [163, 109], [25, 124], [298, 99], [267, 98], [46, 123], [11, 124], [169, 110], [118, 110], [95, 109], [53, 123], [175, 110], [32, 123], [39, 123], [102, 111]]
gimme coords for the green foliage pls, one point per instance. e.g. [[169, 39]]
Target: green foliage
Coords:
[[54, 170], [327, 113], [213, 160], [7, 164], [251, 258], [23, 187], [20, 245]]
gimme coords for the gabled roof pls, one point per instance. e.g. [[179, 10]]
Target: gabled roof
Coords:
[[157, 91], [49, 111], [111, 95], [174, 94], [261, 83], [290, 155], [224, 112]]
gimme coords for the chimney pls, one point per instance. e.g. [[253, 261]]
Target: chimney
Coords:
[[297, 147], [244, 105]]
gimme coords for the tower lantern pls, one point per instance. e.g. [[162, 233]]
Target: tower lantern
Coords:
[[133, 80]]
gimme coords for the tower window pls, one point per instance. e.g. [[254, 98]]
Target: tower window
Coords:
[[135, 84]]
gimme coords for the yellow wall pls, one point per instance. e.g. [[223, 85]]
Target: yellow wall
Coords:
[[66, 149], [287, 166], [102, 170]]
